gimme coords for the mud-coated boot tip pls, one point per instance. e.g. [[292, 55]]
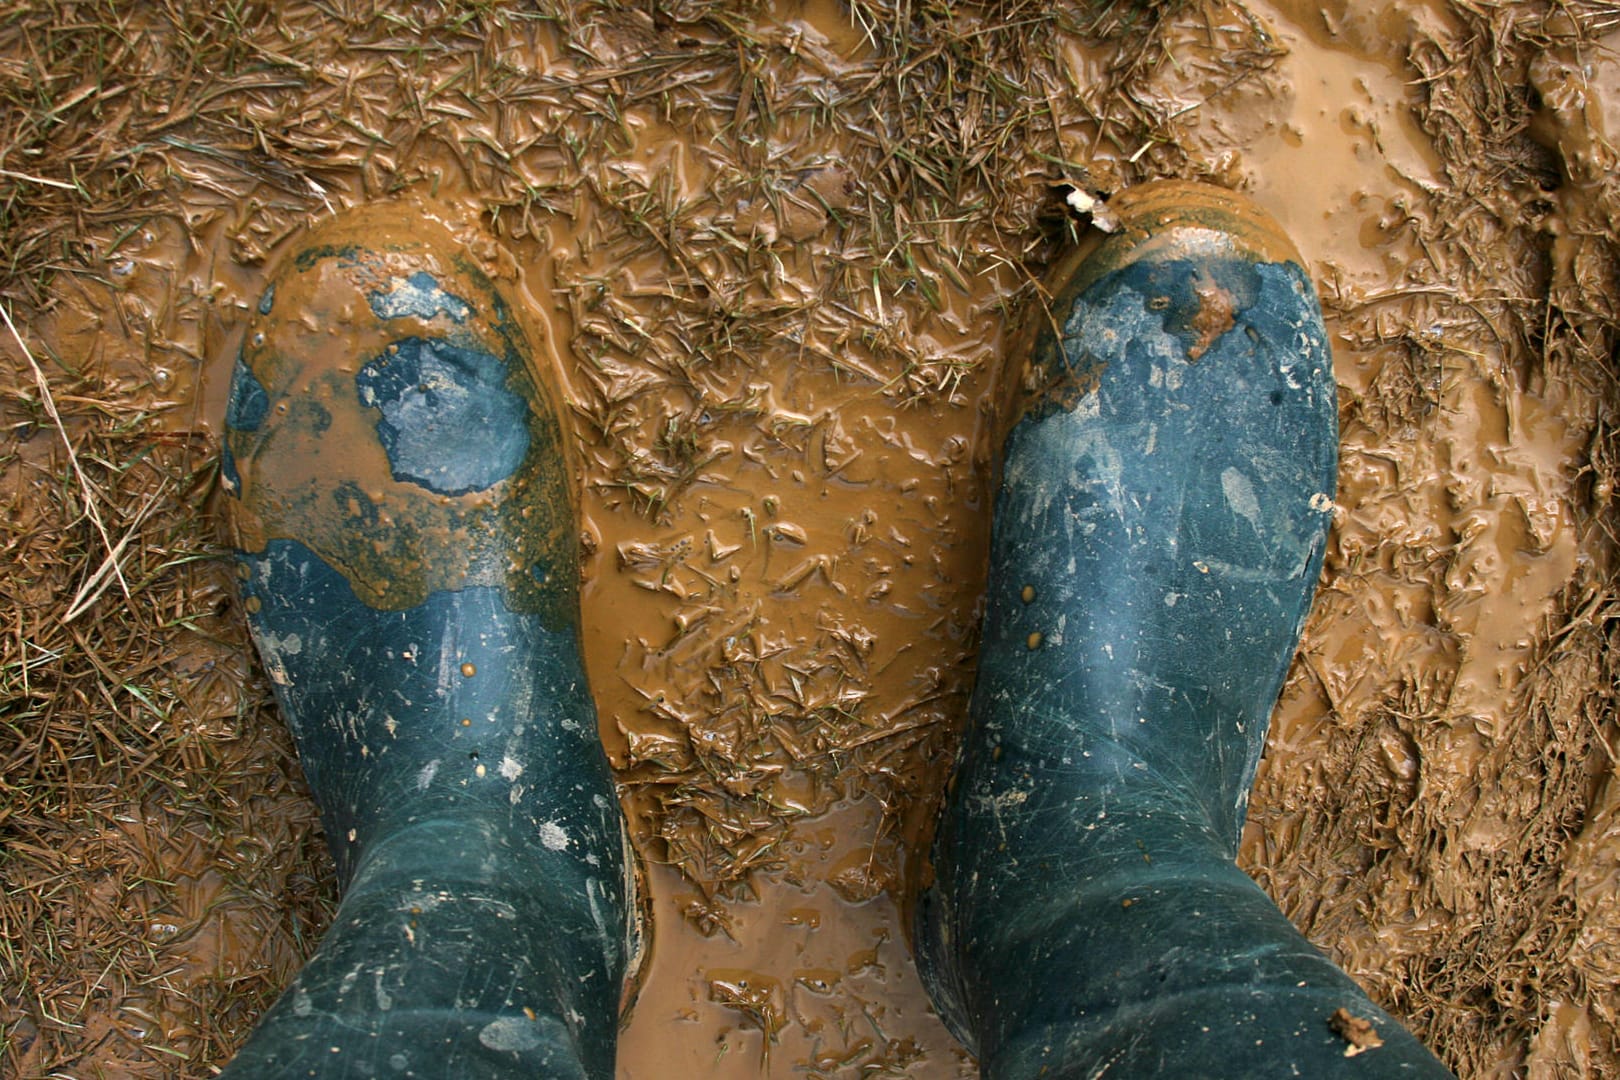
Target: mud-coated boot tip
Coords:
[[385, 415], [1178, 219]]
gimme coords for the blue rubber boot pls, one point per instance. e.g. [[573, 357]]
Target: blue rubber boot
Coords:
[[1166, 493], [408, 561]]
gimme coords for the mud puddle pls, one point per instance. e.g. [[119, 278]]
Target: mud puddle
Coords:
[[776, 297]]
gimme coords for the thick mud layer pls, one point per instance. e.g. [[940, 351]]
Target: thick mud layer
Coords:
[[774, 260]]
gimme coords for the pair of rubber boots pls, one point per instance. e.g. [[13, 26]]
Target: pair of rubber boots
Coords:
[[407, 554]]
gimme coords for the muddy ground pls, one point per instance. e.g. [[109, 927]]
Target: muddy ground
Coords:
[[778, 251]]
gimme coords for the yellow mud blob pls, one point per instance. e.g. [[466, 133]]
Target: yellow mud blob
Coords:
[[1034, 640], [252, 604], [469, 669], [1028, 594], [315, 469]]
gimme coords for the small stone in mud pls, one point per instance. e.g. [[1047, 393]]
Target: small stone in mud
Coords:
[[1034, 640], [469, 669], [1028, 594], [1358, 1033]]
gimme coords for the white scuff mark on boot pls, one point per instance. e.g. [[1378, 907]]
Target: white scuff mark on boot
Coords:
[[301, 1003], [554, 836], [501, 908], [592, 887], [520, 695], [1284, 545], [290, 645], [509, 768], [449, 662], [1240, 497], [385, 1000], [273, 666], [511, 1034], [1322, 502], [425, 777], [1097, 468], [997, 803]]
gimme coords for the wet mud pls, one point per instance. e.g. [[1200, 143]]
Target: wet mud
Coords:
[[780, 265]]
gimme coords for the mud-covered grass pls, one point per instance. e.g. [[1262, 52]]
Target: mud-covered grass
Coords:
[[162, 872], [1490, 868], [152, 816]]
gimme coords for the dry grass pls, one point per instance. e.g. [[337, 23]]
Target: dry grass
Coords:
[[162, 873]]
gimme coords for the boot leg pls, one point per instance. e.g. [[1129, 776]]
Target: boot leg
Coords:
[[1158, 535]]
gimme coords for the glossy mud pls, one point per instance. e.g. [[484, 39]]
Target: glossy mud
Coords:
[[777, 313]]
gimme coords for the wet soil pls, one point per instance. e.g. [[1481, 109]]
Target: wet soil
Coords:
[[775, 258]]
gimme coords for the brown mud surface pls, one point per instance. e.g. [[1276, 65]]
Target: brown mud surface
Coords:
[[776, 253]]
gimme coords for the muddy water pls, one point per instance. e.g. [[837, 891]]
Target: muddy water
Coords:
[[783, 529], [780, 653], [785, 649]]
